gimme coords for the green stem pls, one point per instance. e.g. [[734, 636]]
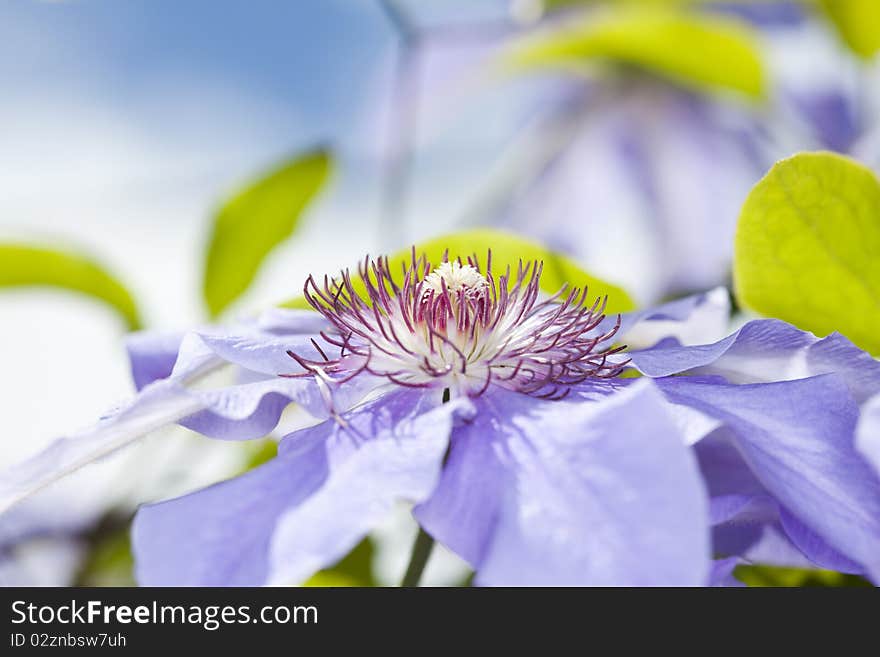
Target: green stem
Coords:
[[424, 544], [420, 554]]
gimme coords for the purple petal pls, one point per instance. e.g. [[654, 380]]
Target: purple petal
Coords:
[[695, 319], [816, 549], [748, 522], [758, 541], [400, 462], [221, 535], [253, 344], [152, 355], [797, 439], [766, 350], [304, 510], [261, 353], [228, 411], [252, 410], [833, 116], [289, 321], [612, 179], [722, 573], [602, 493], [868, 432], [156, 406], [255, 356]]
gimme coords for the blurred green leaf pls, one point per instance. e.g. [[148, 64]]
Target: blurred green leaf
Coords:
[[789, 577], [858, 22], [255, 221], [549, 5], [260, 452], [808, 247], [332, 579], [508, 250], [110, 561], [23, 265], [700, 51], [356, 569]]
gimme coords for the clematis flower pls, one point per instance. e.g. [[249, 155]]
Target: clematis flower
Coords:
[[502, 417]]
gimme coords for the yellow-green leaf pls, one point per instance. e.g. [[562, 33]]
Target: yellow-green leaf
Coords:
[[700, 51], [808, 247], [774, 576], [109, 561], [255, 221], [355, 569], [858, 22], [508, 250], [548, 5], [24, 265]]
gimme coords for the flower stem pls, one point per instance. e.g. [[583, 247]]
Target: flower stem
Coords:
[[420, 554], [424, 544]]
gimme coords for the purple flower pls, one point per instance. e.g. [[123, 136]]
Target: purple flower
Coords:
[[501, 417], [618, 173]]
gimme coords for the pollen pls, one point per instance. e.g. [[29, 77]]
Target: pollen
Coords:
[[455, 277]]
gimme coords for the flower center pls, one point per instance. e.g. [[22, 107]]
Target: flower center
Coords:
[[456, 327], [454, 276]]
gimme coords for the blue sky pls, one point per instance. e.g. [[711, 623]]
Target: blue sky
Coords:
[[319, 58]]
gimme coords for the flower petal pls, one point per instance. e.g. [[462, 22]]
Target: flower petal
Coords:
[[603, 493], [695, 319], [220, 535], [251, 406], [151, 355], [612, 179], [747, 519], [797, 439], [259, 344], [156, 406], [397, 458], [305, 509], [230, 412], [722, 573], [868, 432], [766, 350], [816, 549]]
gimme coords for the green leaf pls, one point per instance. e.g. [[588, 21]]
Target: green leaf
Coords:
[[355, 569], [255, 221], [110, 561], [764, 576], [549, 5], [24, 266], [808, 247], [858, 22], [699, 51], [507, 250]]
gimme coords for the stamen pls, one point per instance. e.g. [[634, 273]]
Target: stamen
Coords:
[[458, 326]]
